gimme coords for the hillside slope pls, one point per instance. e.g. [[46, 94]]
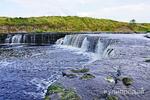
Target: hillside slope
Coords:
[[67, 24]]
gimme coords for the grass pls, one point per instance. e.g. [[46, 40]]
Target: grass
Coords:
[[84, 70], [67, 24], [87, 76], [65, 94]]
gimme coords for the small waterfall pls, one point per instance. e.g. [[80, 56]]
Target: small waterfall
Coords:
[[60, 41], [32, 39], [99, 45], [8, 39], [99, 49], [85, 44], [16, 39], [67, 40]]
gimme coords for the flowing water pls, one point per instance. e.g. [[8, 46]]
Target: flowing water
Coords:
[[26, 71]]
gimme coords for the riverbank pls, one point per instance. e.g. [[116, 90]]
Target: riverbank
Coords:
[[68, 24]]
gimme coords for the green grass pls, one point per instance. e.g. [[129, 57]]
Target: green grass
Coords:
[[67, 24]]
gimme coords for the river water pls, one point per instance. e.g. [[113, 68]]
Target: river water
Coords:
[[26, 72]]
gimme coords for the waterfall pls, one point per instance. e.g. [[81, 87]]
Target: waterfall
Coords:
[[8, 39], [60, 41], [67, 40], [16, 39], [85, 44], [99, 49], [100, 46], [32, 39]]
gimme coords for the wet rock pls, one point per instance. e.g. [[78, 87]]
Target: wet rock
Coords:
[[84, 70], [68, 74], [147, 60], [147, 35], [110, 79], [58, 92], [112, 98], [87, 76], [127, 81]]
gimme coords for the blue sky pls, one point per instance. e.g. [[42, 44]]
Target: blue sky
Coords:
[[122, 10]]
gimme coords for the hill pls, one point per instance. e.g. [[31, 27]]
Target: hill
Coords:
[[67, 24]]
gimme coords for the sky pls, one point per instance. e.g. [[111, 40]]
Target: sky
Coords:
[[121, 10]]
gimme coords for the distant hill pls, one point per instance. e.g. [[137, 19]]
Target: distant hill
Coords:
[[68, 24]]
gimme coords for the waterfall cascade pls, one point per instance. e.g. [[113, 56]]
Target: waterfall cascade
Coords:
[[31, 39], [16, 39], [101, 46]]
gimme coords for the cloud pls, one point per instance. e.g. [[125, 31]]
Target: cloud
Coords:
[[124, 13], [114, 9]]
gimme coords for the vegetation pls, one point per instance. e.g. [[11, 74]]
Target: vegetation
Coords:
[[87, 76], [64, 94], [68, 24], [127, 81], [112, 98], [84, 70]]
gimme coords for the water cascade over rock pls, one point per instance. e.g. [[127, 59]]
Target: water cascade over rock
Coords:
[[31, 39], [100, 46]]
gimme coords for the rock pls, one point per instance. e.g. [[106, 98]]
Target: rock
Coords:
[[127, 81], [68, 74], [110, 79], [84, 70], [147, 60], [112, 98], [147, 35], [87, 76], [58, 92]]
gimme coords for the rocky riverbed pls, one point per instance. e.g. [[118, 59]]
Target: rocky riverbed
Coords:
[[125, 75], [60, 72], [27, 71]]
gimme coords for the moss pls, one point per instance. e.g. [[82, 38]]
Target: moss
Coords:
[[47, 97], [87, 76], [112, 98], [84, 70], [65, 94], [70, 95], [54, 89], [127, 81]]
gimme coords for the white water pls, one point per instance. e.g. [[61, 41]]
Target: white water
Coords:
[[99, 49], [87, 43], [102, 45], [16, 39]]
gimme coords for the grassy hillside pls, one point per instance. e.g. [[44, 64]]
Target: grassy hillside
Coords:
[[67, 24]]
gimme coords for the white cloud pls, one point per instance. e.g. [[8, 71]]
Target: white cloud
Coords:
[[113, 9], [124, 13]]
